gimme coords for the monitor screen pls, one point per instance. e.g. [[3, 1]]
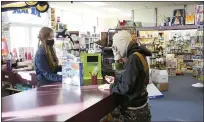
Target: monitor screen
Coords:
[[92, 58]]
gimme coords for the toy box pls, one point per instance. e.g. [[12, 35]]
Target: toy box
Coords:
[[72, 73]]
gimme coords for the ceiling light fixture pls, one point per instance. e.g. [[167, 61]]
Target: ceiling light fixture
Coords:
[[94, 3]]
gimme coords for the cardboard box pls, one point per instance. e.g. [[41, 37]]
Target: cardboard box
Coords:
[[72, 73], [162, 86], [160, 79], [160, 76]]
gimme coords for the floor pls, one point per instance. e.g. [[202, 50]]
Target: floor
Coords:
[[181, 102]]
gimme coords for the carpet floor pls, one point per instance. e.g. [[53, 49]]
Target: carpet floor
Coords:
[[181, 102]]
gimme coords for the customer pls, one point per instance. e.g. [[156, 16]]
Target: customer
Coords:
[[132, 85], [46, 61]]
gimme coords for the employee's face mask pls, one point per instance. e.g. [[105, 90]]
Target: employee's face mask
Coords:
[[50, 42], [116, 53]]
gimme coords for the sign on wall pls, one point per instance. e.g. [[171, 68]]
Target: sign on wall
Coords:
[[27, 16], [32, 11]]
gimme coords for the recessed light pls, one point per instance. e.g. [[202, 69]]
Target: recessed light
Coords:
[[94, 3]]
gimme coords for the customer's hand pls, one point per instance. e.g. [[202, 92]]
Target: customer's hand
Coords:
[[104, 87], [109, 79]]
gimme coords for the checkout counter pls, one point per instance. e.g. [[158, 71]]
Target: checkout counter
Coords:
[[62, 102]]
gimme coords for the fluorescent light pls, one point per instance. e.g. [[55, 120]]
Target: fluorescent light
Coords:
[[94, 3], [113, 9]]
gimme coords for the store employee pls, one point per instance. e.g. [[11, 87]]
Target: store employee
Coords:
[[46, 61]]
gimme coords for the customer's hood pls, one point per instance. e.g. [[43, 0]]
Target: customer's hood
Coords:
[[134, 47]]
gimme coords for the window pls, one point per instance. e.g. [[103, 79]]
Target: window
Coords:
[[19, 37], [24, 36]]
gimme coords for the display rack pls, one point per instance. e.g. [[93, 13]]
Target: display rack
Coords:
[[198, 57], [171, 64], [173, 44], [87, 42], [154, 41]]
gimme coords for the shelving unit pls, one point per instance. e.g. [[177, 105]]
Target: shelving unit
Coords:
[[198, 70], [155, 42], [87, 42], [176, 47]]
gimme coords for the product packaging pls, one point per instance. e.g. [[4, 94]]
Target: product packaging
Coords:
[[72, 73], [190, 18]]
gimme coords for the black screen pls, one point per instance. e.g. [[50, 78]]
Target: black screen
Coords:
[[92, 58]]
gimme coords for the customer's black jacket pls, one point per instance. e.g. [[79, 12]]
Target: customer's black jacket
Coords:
[[132, 85]]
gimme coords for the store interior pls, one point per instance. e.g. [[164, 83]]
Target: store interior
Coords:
[[172, 31]]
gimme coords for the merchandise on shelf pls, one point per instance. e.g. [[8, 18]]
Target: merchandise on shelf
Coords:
[[89, 42], [198, 56], [154, 41], [171, 64], [179, 70]]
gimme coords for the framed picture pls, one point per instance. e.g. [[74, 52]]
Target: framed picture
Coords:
[[179, 12]]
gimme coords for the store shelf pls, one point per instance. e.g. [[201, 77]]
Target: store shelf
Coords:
[[198, 59], [178, 27]]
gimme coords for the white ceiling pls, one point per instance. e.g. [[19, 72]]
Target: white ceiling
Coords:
[[102, 11]]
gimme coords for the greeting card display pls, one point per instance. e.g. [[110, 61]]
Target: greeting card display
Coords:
[[72, 73]]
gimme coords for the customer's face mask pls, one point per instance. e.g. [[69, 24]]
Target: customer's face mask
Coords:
[[116, 53], [50, 42]]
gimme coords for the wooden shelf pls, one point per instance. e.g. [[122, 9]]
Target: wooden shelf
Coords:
[[178, 27]]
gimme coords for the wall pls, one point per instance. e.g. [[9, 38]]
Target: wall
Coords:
[[147, 16]]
